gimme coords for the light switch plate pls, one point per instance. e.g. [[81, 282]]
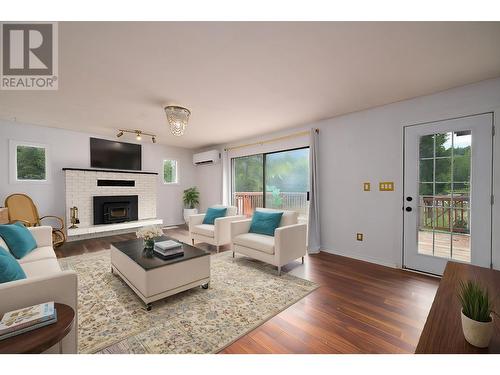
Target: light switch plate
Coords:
[[386, 186], [366, 186], [359, 236]]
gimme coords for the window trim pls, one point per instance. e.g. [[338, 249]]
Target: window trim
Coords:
[[13, 144], [176, 182]]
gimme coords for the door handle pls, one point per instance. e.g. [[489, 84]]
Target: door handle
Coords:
[[408, 209]]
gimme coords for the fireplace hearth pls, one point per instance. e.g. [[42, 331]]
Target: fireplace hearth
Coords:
[[115, 209]]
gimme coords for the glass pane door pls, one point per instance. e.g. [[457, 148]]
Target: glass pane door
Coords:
[[248, 186], [447, 193], [444, 195], [287, 181]]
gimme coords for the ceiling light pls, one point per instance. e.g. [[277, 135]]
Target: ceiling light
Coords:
[[177, 118], [138, 134]]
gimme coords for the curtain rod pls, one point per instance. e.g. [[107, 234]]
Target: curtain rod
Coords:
[[294, 135]]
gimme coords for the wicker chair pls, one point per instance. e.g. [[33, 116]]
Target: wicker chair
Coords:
[[21, 208]]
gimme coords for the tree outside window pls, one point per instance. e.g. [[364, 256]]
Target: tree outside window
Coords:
[[31, 163], [170, 171]]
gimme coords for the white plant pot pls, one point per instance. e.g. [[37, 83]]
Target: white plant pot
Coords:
[[188, 212], [477, 333]]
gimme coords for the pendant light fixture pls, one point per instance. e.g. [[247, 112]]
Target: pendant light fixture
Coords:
[[178, 118]]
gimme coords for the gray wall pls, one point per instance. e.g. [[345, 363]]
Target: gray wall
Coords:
[[72, 149], [368, 146]]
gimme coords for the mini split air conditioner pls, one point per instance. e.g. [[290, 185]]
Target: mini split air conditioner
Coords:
[[206, 158]]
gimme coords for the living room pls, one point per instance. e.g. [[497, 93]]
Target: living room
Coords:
[[249, 188]]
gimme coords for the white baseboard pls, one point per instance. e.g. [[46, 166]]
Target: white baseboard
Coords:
[[363, 258]]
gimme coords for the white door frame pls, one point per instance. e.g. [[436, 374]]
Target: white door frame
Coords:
[[432, 264]]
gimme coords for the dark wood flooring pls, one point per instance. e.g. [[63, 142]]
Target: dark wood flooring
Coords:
[[360, 307]]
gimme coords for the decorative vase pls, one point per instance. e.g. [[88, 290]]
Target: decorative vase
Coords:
[[188, 212], [477, 333], [149, 244]]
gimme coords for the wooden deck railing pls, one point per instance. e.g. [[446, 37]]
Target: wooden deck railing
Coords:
[[441, 213], [247, 202]]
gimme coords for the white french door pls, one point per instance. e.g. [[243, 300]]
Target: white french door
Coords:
[[447, 193]]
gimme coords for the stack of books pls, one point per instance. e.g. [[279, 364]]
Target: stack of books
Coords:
[[168, 249], [27, 319]]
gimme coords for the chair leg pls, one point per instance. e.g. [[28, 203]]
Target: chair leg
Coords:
[[218, 247], [279, 270], [233, 254], [302, 260], [192, 241]]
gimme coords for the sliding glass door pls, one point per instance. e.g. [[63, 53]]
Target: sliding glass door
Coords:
[[248, 185], [277, 180]]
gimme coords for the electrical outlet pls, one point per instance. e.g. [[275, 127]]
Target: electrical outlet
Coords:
[[359, 236], [366, 186], [386, 186]]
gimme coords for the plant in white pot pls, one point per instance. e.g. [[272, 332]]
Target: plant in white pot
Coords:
[[477, 314], [191, 198]]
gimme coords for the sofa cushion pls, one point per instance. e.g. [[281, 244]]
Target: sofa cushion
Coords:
[[18, 238], [214, 213], [255, 241], [265, 222], [288, 218], [205, 230], [10, 270], [44, 267], [231, 210], [45, 252]]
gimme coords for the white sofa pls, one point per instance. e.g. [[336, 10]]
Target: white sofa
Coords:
[[44, 282], [288, 243], [218, 234]]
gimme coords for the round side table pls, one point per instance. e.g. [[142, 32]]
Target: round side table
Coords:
[[41, 339]]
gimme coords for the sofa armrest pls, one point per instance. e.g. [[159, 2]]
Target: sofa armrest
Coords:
[[195, 220], [61, 287], [42, 235], [290, 243], [240, 227], [222, 233]]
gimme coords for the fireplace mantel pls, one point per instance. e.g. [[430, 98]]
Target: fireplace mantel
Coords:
[[107, 171]]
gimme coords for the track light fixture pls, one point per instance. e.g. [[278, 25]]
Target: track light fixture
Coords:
[[138, 134]]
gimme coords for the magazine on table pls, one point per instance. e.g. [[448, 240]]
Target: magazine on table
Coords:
[[167, 245], [27, 319], [168, 249]]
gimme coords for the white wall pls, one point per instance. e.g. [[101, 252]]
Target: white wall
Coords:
[[368, 146], [72, 149]]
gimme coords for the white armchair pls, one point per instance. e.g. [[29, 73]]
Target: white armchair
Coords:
[[218, 234], [288, 243]]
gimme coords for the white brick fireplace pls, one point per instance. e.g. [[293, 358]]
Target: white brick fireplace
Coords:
[[82, 185]]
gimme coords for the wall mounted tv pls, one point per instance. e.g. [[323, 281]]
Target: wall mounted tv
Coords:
[[115, 155]]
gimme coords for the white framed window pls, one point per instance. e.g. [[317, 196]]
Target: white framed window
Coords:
[[170, 172], [29, 162]]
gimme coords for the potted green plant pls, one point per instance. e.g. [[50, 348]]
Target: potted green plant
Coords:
[[477, 314], [191, 199]]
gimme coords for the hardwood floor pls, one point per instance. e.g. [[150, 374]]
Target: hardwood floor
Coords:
[[359, 308]]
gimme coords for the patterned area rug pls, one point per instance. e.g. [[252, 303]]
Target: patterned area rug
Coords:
[[243, 294]]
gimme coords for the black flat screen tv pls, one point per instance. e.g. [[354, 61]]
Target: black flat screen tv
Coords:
[[115, 155]]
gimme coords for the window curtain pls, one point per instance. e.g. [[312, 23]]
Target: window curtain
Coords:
[[226, 178], [313, 231]]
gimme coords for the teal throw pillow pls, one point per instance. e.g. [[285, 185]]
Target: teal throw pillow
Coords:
[[18, 238], [265, 222], [214, 213], [10, 270]]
